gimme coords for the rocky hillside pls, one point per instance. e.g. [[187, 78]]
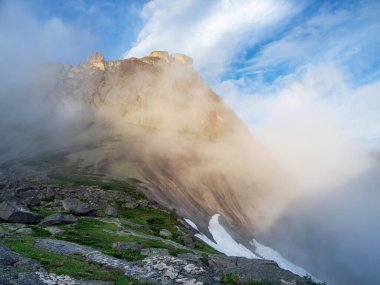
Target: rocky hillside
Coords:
[[66, 230]]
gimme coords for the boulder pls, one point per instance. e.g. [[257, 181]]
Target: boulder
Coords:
[[24, 231], [15, 212], [32, 201], [143, 202], [126, 245], [130, 205], [54, 230], [165, 233], [76, 207], [154, 251], [58, 219], [112, 211], [188, 241]]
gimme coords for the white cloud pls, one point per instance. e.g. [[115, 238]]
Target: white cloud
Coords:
[[348, 36], [318, 126], [212, 32]]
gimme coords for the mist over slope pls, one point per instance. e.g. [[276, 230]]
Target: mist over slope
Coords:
[[153, 119], [335, 234]]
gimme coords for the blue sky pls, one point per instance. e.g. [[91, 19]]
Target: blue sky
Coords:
[[345, 31], [268, 59]]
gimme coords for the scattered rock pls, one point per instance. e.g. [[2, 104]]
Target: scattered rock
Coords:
[[165, 233], [130, 205], [112, 211], [54, 279], [190, 257], [189, 268], [54, 230], [16, 269], [171, 273], [143, 202], [154, 251], [160, 266], [58, 219], [32, 201], [15, 212], [188, 241], [126, 245], [24, 231], [76, 207]]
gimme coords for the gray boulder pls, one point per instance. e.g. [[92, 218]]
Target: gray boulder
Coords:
[[188, 241], [32, 201], [58, 219], [155, 251], [165, 233], [54, 230], [24, 231], [112, 211], [15, 212], [76, 207], [130, 205]]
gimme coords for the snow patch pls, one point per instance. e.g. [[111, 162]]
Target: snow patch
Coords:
[[194, 226], [223, 241], [269, 253], [226, 244]]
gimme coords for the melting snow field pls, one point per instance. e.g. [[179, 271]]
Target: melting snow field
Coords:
[[224, 242], [227, 245]]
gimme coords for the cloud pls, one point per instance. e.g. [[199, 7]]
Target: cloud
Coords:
[[28, 115], [213, 33], [28, 42], [317, 125], [346, 36]]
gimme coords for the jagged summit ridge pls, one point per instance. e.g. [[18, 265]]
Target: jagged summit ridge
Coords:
[[97, 59]]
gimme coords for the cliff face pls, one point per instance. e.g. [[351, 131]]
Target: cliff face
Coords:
[[154, 119]]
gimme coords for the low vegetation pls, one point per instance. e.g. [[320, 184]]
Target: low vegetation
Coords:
[[73, 265], [231, 279]]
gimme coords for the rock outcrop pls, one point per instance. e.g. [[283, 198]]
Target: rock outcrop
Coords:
[[76, 207], [15, 212], [59, 219]]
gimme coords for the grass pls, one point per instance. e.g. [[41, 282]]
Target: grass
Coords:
[[62, 264], [101, 236], [155, 219], [72, 265], [231, 279]]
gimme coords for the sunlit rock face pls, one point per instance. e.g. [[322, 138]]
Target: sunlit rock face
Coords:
[[154, 119]]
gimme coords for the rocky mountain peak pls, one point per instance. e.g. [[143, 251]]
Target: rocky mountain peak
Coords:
[[97, 60]]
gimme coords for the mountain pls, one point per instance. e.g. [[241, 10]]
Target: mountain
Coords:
[[153, 121]]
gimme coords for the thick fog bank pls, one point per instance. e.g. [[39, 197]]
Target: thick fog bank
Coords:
[[335, 236]]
